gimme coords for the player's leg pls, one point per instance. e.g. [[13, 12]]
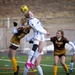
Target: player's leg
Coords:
[[56, 58], [11, 55], [25, 72], [41, 43], [72, 63], [38, 60], [62, 61], [37, 53], [31, 53]]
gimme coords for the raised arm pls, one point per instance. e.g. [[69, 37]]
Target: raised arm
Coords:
[[36, 25], [29, 39], [14, 29], [72, 45]]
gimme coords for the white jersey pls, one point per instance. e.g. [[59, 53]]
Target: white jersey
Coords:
[[31, 39], [38, 29]]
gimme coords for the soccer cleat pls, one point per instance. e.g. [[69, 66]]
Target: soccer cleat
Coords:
[[17, 72], [70, 71], [32, 66], [28, 65], [67, 73]]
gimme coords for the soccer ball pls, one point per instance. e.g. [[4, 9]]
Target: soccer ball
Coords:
[[24, 8]]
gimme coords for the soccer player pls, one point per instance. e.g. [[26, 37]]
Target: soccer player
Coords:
[[72, 62], [59, 42], [15, 43], [37, 61], [39, 32]]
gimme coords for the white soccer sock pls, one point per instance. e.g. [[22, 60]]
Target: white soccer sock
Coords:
[[30, 55], [71, 65], [35, 56], [25, 72], [40, 71]]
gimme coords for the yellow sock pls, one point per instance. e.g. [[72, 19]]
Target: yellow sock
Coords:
[[55, 70], [14, 63], [66, 68]]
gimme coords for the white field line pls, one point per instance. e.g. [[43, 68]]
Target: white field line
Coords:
[[40, 64]]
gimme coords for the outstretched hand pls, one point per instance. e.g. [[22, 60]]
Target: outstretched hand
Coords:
[[47, 34], [47, 31]]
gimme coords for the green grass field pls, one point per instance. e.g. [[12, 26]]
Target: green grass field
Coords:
[[46, 64]]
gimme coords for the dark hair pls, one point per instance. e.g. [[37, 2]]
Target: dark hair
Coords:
[[61, 31]]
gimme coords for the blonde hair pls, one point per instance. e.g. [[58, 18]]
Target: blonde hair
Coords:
[[26, 14]]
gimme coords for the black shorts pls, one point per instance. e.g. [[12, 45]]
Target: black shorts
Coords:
[[13, 47]]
